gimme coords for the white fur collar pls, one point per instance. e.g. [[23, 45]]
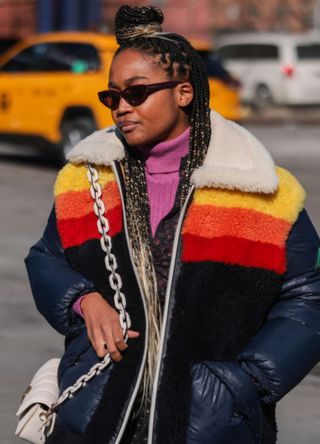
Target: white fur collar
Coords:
[[235, 160]]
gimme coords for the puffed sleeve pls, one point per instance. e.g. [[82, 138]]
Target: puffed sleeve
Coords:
[[288, 345], [54, 283]]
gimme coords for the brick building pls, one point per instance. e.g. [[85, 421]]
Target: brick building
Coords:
[[215, 16], [190, 17], [187, 17], [271, 15], [17, 18]]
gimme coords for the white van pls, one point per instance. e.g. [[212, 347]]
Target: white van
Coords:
[[273, 67]]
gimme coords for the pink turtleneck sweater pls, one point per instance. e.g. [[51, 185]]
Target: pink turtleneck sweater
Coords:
[[162, 164]]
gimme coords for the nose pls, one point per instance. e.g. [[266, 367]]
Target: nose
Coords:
[[124, 107]]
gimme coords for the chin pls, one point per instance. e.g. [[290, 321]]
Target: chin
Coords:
[[133, 140]]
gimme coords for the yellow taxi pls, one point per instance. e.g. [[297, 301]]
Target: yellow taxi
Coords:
[[49, 84]]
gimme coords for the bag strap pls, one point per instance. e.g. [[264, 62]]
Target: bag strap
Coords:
[[115, 283]]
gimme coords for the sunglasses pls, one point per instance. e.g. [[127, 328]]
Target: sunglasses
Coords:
[[134, 95]]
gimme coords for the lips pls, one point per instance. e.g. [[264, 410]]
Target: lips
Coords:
[[127, 125]]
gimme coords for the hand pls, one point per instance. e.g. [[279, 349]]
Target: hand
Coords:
[[103, 326]]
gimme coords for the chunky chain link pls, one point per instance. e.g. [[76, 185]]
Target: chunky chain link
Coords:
[[106, 245], [116, 285]]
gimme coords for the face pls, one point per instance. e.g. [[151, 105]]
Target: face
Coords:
[[161, 117]]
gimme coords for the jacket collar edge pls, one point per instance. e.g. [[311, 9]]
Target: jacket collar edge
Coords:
[[235, 159]]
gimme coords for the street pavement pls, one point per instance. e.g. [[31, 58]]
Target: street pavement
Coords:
[[27, 341]]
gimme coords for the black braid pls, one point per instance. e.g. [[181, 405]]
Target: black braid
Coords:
[[129, 17], [135, 28], [181, 59]]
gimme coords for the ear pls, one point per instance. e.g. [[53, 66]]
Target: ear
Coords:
[[184, 94]]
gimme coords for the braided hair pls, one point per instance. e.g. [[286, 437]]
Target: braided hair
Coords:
[[139, 28]]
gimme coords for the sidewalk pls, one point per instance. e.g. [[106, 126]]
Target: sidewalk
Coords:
[[298, 413], [281, 114]]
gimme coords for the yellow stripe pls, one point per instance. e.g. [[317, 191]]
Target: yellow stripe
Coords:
[[285, 204], [74, 178]]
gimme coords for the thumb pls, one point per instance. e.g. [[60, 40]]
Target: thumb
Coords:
[[133, 334]]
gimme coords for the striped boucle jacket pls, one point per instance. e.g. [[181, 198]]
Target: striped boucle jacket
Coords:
[[228, 264]]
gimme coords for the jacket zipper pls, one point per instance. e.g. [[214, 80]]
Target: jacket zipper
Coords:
[[135, 391], [165, 314]]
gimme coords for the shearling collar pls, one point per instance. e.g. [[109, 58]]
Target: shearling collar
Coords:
[[235, 160]]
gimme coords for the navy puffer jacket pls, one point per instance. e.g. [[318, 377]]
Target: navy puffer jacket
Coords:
[[241, 320], [274, 361]]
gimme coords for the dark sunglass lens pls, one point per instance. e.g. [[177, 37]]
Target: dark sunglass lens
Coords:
[[135, 95], [110, 99]]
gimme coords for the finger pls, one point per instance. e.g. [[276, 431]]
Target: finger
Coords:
[[114, 332], [118, 337], [133, 334], [101, 349], [97, 341], [120, 344], [112, 349]]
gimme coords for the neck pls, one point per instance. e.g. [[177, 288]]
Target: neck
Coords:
[[165, 157]]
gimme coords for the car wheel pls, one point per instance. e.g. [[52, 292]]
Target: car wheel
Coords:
[[262, 97], [73, 130]]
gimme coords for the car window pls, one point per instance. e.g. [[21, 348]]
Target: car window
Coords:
[[309, 51], [49, 57], [74, 57], [29, 59], [249, 52]]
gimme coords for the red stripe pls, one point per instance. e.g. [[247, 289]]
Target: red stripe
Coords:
[[233, 250], [76, 231]]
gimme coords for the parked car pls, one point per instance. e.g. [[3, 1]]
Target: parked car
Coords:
[[49, 84], [274, 68]]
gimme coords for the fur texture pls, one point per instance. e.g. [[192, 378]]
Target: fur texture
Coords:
[[235, 160], [76, 219], [274, 204], [101, 148], [217, 304], [254, 235], [216, 310]]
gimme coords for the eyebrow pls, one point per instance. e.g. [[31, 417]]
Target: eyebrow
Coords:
[[127, 82]]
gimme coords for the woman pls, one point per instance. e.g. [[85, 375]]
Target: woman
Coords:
[[216, 258]]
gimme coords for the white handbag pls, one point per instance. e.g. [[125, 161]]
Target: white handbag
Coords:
[[39, 396], [40, 401]]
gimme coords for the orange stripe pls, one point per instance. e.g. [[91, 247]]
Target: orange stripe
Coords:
[[75, 204], [209, 221], [285, 203]]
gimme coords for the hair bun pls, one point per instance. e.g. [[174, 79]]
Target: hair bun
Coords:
[[134, 21]]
